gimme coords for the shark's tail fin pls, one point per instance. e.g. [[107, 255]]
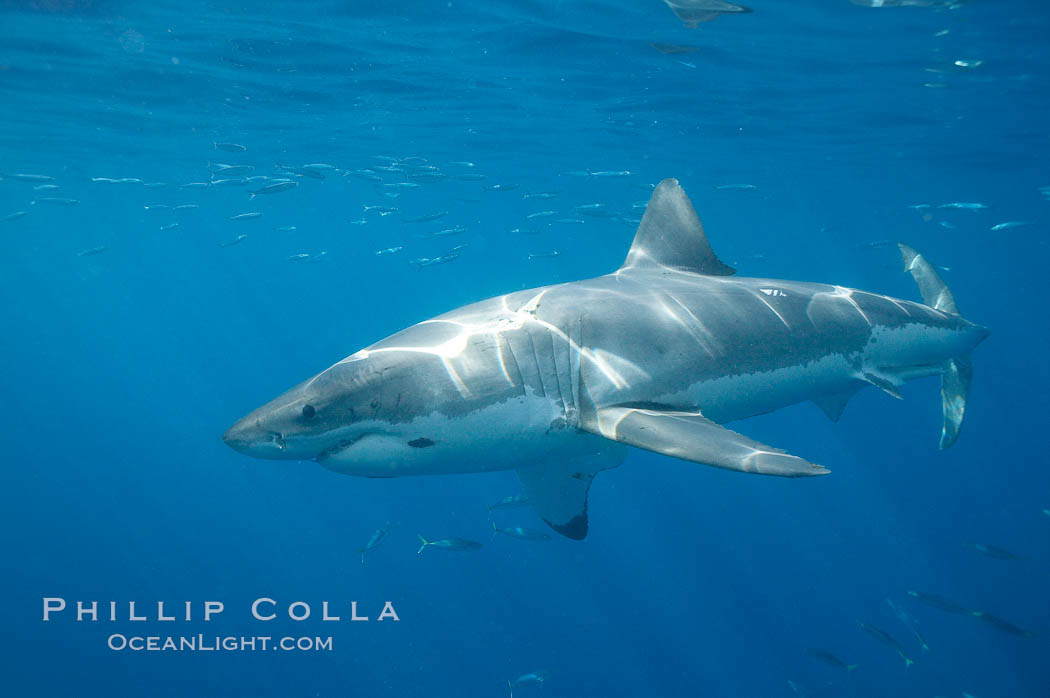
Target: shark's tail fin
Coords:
[[424, 542], [957, 372]]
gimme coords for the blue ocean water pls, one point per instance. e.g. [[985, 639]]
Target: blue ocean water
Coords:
[[130, 345]]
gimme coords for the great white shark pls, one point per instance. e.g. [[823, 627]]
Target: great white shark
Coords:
[[556, 382]]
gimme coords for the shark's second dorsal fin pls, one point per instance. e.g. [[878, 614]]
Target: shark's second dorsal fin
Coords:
[[671, 236]]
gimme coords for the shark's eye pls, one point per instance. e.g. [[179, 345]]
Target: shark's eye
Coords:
[[309, 411]]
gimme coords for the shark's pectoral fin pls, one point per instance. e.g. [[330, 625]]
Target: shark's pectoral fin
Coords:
[[693, 437], [558, 492]]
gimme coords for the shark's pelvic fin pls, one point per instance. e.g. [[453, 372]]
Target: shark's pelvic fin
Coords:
[[670, 235], [833, 404], [691, 436], [558, 491], [956, 373]]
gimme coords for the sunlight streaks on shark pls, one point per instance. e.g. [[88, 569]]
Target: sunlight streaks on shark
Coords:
[[552, 382]]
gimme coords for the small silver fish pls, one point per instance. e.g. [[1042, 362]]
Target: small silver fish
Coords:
[[569, 220], [829, 658], [434, 261], [374, 540], [92, 251], [286, 229], [940, 603], [908, 622], [169, 226], [1003, 625], [1009, 224], [888, 640], [367, 175], [390, 250], [231, 243], [597, 211], [22, 177], [541, 214], [994, 551], [470, 177], [462, 163], [425, 177], [457, 544], [543, 255], [426, 218], [55, 201], [246, 216], [520, 533], [229, 182], [537, 677], [611, 173], [514, 500], [501, 187], [735, 186], [274, 188], [964, 205], [45, 187], [195, 185], [186, 207], [447, 232], [13, 216], [540, 195], [229, 147], [229, 170]]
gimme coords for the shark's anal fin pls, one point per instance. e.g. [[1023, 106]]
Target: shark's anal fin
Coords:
[[671, 236], [558, 490], [884, 383], [693, 437]]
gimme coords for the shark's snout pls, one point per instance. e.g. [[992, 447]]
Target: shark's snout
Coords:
[[249, 437]]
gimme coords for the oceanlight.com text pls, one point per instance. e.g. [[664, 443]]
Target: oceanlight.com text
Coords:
[[217, 643]]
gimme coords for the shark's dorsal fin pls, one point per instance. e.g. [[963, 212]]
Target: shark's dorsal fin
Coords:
[[671, 236]]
